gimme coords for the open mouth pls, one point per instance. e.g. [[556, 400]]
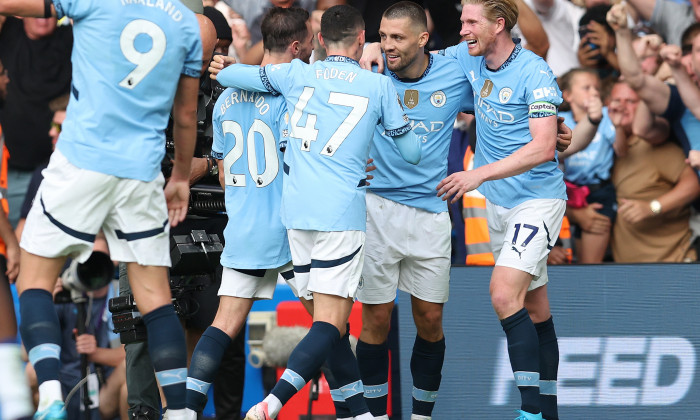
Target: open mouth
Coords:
[[471, 42]]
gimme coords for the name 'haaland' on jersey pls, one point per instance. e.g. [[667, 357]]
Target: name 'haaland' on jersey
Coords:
[[238, 96], [167, 7]]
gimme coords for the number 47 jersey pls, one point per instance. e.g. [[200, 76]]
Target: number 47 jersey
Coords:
[[128, 57], [248, 128], [334, 108]]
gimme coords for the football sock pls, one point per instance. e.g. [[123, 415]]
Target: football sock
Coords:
[[373, 360], [523, 350], [549, 366], [346, 377], [426, 368], [204, 366], [41, 333], [166, 346], [305, 361]]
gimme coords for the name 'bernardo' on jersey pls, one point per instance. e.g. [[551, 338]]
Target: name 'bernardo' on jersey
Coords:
[[238, 96], [167, 7], [333, 73]]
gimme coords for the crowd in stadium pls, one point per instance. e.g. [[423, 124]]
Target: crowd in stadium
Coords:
[[627, 74]]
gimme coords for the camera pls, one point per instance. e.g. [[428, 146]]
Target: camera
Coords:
[[78, 278], [194, 257]]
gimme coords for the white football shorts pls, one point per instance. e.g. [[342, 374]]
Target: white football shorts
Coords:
[[255, 284], [522, 237], [408, 248], [327, 262], [73, 204]]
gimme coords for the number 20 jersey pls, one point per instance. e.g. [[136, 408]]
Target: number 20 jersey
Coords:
[[248, 127], [334, 107], [127, 59]]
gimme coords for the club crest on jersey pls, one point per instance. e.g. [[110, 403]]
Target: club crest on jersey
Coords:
[[487, 88], [505, 94], [438, 99], [411, 98]]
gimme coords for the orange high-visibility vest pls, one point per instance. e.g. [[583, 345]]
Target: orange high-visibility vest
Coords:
[[476, 231], [3, 183]]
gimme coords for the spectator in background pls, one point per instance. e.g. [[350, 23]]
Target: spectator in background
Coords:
[[668, 18], [560, 19], [530, 28], [588, 163], [655, 187], [596, 49], [224, 36], [319, 53], [661, 99], [36, 54]]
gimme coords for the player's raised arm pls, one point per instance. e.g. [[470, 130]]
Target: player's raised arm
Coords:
[[27, 8], [243, 76]]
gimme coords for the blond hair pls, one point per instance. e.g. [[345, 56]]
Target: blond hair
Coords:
[[494, 9]]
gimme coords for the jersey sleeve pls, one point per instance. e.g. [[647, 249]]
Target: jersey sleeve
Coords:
[[74, 9], [455, 50], [242, 76], [217, 146], [277, 77], [542, 93], [193, 60], [466, 102], [393, 118]]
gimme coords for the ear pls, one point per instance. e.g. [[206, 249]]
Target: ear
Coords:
[[321, 40], [501, 24], [361, 37], [294, 48], [423, 39]]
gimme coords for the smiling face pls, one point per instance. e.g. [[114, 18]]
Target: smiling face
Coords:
[[477, 30], [624, 99], [402, 42]]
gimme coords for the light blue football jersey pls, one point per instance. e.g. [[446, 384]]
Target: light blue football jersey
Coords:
[[593, 164], [431, 103], [127, 59], [248, 127], [334, 106], [504, 101]]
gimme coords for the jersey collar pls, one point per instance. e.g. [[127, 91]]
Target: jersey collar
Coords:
[[425, 73], [512, 56], [342, 59]]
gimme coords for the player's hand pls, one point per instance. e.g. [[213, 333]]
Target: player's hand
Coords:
[[617, 17], [218, 63], [672, 55], [13, 256], [177, 197], [694, 159], [85, 343], [648, 46], [557, 256], [458, 184], [590, 220], [634, 211], [369, 168], [372, 55], [564, 135], [594, 107]]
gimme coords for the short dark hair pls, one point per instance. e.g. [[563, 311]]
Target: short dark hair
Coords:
[[59, 103], [408, 9], [339, 23], [282, 26], [688, 36]]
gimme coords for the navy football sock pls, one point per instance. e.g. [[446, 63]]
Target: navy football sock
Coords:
[[524, 353], [166, 346], [41, 333], [343, 365], [306, 359], [549, 366], [373, 360], [426, 368], [204, 366]]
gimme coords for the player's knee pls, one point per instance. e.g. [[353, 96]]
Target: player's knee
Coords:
[[376, 320], [429, 322]]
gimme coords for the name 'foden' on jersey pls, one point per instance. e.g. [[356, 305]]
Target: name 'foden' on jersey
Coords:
[[332, 73]]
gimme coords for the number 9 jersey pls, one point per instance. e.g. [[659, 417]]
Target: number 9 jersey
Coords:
[[127, 60], [248, 127]]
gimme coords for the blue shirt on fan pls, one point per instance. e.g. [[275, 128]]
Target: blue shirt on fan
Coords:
[[334, 106], [593, 164], [127, 60], [431, 102], [248, 127], [504, 101]]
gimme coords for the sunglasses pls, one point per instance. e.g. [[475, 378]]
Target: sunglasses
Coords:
[[56, 126]]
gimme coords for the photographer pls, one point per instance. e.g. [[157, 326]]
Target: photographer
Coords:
[[195, 294]]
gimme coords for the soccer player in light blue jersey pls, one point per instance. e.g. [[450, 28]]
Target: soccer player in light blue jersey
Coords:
[[336, 106], [132, 63], [515, 100], [404, 214]]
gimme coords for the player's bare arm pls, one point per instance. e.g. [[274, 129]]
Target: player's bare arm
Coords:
[[539, 150]]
